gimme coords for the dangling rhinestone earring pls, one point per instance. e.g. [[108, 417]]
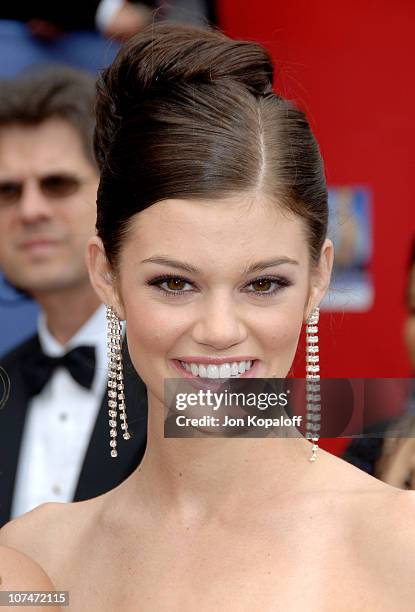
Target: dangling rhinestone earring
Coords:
[[116, 396], [313, 382]]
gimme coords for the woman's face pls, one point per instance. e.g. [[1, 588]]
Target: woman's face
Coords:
[[227, 280]]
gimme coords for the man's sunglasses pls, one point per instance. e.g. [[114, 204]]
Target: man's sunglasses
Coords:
[[52, 186]]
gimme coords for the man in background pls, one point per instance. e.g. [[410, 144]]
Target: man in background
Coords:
[[54, 433]]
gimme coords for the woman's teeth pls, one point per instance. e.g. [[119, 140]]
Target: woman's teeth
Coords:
[[224, 370]]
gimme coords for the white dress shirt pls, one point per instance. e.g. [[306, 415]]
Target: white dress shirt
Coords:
[[60, 421]]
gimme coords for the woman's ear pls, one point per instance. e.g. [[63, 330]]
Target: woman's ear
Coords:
[[102, 277], [320, 277]]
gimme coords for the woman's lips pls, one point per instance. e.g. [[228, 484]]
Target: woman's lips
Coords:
[[213, 384]]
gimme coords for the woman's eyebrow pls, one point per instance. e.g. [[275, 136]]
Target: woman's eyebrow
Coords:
[[269, 263], [182, 265]]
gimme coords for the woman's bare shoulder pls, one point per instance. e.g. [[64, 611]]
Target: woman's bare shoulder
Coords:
[[374, 524], [33, 529], [18, 572], [48, 531], [394, 522], [385, 542]]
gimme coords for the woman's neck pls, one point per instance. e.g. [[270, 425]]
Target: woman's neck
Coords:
[[197, 477]]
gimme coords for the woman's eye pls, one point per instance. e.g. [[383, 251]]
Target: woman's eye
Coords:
[[262, 285], [174, 284], [267, 286], [171, 285]]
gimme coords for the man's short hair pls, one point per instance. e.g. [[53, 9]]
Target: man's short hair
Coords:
[[51, 92]]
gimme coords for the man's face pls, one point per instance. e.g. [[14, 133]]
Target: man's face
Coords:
[[47, 206]]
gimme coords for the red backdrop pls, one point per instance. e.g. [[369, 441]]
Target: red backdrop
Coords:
[[350, 66]]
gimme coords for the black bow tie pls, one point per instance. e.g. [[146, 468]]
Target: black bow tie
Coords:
[[38, 367]]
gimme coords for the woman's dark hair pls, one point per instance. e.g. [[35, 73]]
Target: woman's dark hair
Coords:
[[188, 113]]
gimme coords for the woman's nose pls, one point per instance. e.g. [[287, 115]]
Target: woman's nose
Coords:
[[219, 324]]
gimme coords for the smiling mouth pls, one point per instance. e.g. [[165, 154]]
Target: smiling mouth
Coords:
[[232, 369]]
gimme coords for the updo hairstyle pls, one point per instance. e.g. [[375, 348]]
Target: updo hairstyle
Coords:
[[188, 113]]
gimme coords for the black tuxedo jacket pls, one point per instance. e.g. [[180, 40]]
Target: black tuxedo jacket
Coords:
[[100, 472]]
